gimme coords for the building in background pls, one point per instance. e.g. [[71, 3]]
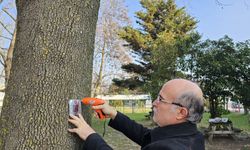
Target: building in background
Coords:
[[234, 106], [129, 103]]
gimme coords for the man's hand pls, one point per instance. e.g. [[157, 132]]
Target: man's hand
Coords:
[[82, 128], [107, 109]]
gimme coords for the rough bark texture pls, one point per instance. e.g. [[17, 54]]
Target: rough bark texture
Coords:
[[52, 63]]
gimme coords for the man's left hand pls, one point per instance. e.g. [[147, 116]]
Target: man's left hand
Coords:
[[82, 128]]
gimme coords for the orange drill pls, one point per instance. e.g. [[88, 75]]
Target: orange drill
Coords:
[[94, 102]]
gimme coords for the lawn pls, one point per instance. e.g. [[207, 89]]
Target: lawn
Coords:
[[119, 142], [98, 125], [239, 120]]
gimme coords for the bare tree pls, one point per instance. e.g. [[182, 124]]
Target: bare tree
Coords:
[[225, 3], [109, 50], [8, 34]]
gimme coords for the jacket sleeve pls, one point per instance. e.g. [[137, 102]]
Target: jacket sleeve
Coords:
[[96, 142], [128, 127]]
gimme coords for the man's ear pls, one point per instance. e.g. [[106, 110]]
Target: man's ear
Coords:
[[183, 113]]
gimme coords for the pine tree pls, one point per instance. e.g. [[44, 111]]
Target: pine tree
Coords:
[[158, 45]]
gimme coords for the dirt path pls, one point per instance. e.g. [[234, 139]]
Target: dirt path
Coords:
[[228, 143], [118, 141]]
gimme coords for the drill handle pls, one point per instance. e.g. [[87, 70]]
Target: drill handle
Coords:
[[100, 114]]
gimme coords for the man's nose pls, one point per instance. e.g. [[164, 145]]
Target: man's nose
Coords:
[[155, 102]]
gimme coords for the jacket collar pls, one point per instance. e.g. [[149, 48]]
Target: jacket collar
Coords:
[[182, 129]]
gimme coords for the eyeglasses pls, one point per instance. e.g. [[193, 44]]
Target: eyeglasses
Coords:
[[161, 99]]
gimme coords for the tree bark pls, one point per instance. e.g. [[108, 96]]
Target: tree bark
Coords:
[[52, 63], [212, 108]]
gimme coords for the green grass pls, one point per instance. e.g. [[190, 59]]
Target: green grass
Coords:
[[204, 121], [137, 116], [239, 121], [97, 124]]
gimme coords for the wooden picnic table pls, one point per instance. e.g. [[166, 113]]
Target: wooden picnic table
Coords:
[[220, 128]]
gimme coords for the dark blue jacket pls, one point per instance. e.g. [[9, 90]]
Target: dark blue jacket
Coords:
[[183, 136]]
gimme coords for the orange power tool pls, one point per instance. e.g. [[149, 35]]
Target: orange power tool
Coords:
[[94, 102]]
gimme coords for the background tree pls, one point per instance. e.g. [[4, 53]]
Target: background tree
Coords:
[[7, 38], [52, 63], [109, 52], [157, 45], [215, 71], [242, 71]]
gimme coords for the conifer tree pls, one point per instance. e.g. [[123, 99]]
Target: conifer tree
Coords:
[[162, 40]]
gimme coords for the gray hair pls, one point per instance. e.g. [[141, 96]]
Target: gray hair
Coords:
[[194, 104]]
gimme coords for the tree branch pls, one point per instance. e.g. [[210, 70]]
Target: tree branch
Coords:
[[6, 29], [3, 58], [5, 37], [4, 10], [222, 4], [3, 48], [1, 62]]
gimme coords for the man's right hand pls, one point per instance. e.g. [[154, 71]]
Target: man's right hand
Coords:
[[107, 110]]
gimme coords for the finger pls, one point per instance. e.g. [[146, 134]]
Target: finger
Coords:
[[74, 122], [74, 117], [98, 107], [81, 118], [72, 130]]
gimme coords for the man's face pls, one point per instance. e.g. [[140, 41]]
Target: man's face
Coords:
[[166, 109], [164, 112]]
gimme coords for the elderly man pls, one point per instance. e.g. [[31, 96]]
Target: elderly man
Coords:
[[177, 109]]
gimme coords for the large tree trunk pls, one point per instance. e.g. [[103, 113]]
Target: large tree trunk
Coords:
[[213, 108], [52, 63]]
